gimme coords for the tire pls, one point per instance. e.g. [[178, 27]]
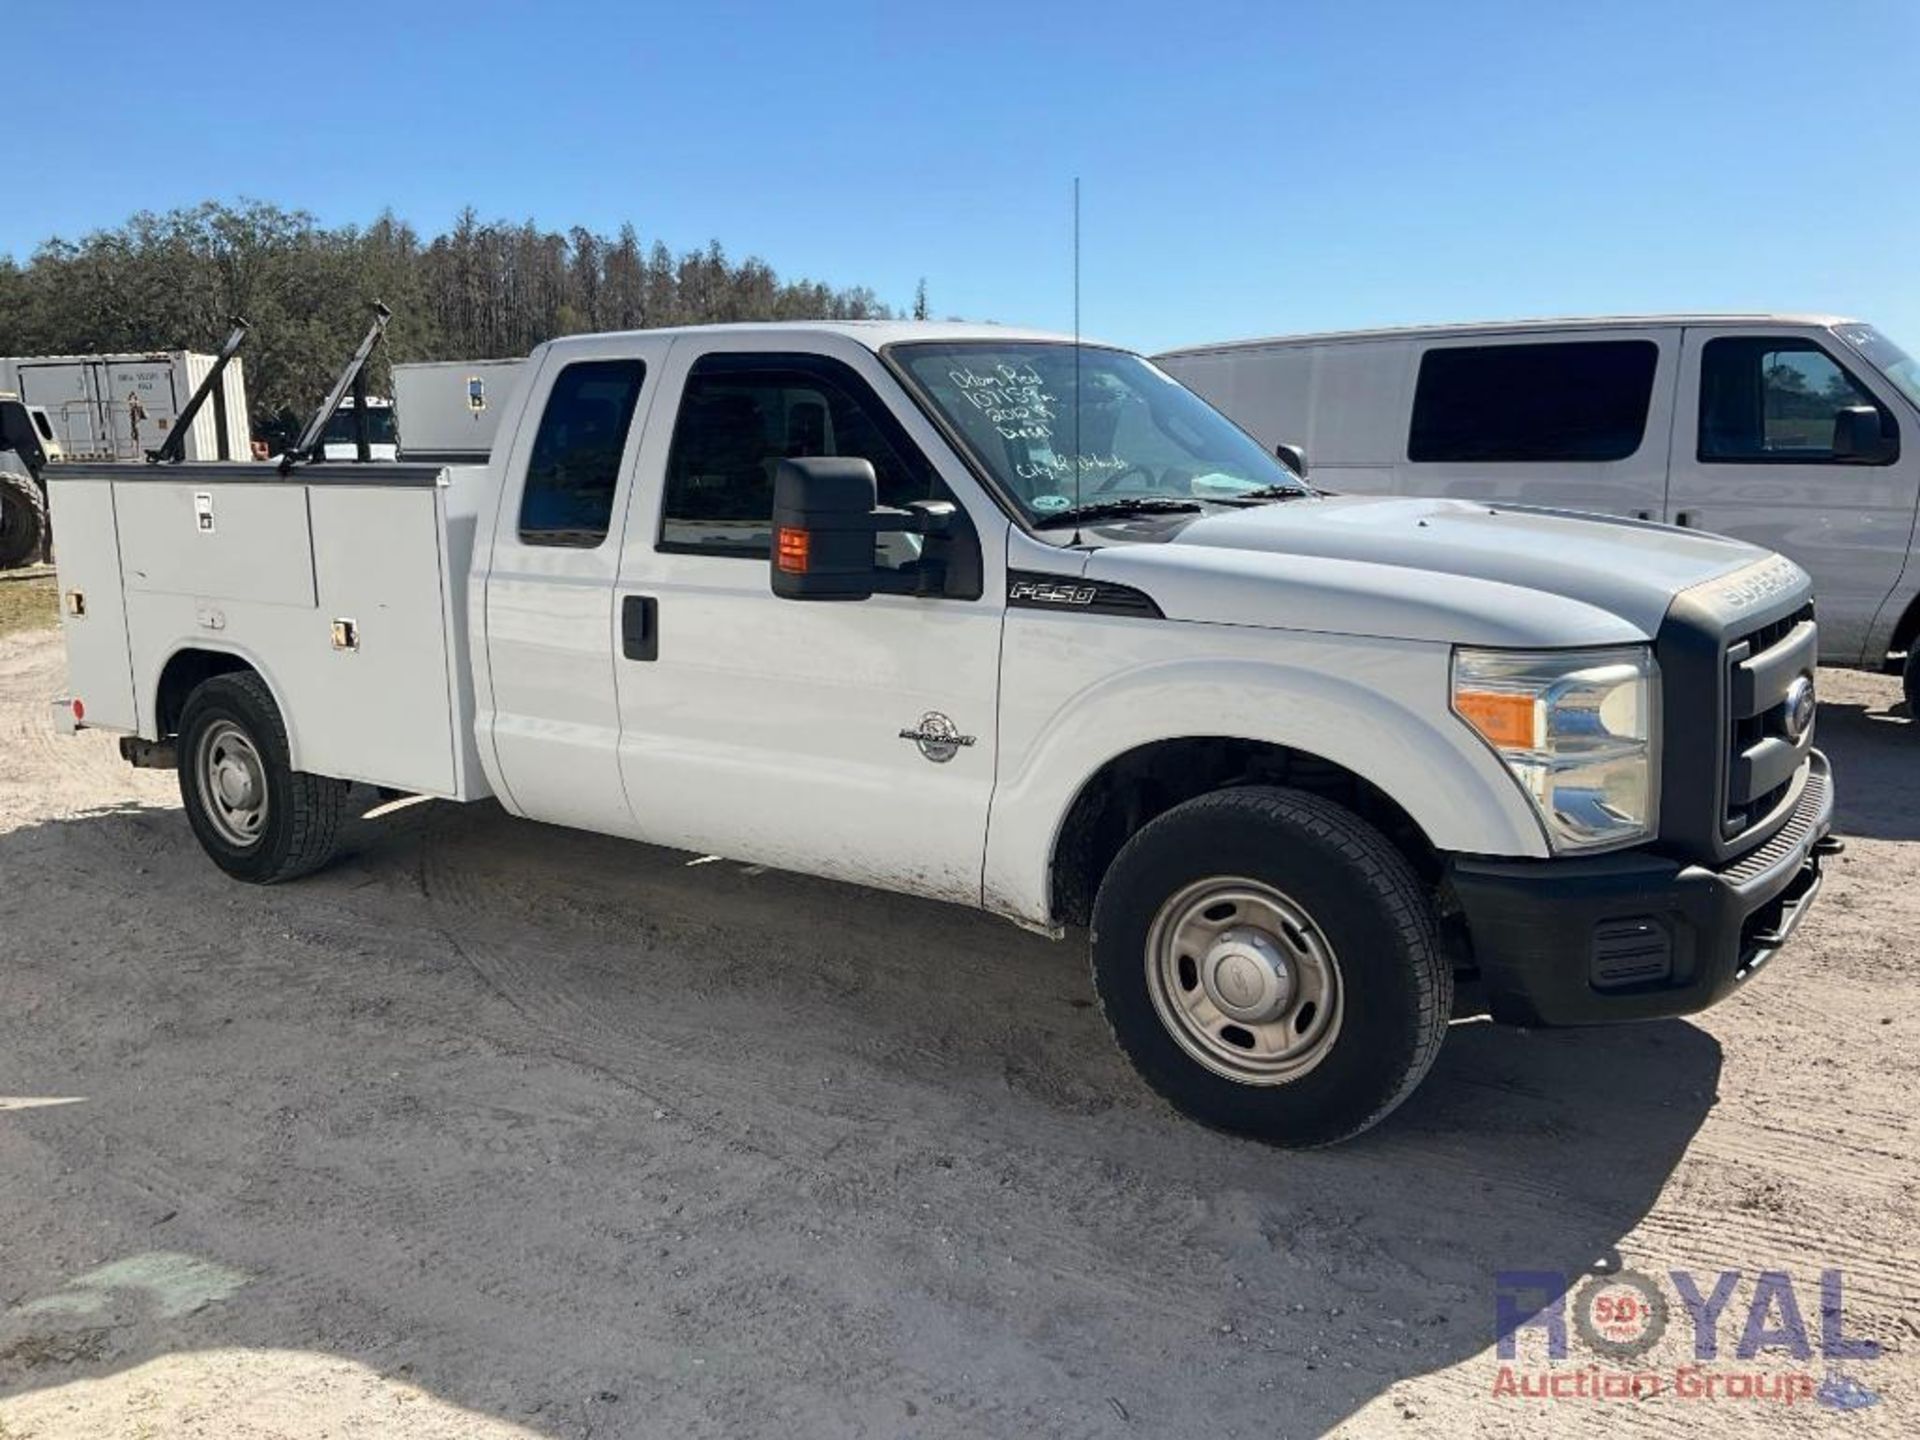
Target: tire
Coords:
[[233, 756], [23, 520], [1311, 883], [1910, 681]]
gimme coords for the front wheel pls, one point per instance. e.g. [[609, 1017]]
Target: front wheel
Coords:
[[1271, 965], [1910, 681], [259, 818]]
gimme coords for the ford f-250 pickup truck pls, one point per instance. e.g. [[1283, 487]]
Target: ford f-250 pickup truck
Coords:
[[1018, 623]]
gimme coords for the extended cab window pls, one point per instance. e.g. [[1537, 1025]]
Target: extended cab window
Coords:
[[575, 466], [1774, 399], [740, 415], [1503, 404]]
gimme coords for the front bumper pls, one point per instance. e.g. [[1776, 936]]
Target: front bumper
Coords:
[[1635, 936]]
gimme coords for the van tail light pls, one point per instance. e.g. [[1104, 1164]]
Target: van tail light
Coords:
[[792, 550]]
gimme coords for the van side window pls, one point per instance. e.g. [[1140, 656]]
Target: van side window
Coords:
[[1775, 400], [575, 465], [741, 414], [1581, 400]]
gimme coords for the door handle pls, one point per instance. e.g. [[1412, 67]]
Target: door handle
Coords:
[[640, 627], [1685, 517], [1643, 514]]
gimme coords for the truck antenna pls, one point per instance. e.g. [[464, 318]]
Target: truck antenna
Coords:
[[1078, 459]]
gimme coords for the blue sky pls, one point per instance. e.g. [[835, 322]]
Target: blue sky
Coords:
[[1247, 169]]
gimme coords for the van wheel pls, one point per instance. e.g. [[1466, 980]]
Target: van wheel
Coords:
[[260, 819], [1910, 681], [1271, 965], [23, 520]]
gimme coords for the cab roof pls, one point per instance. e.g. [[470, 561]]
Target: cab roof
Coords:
[[1515, 327], [872, 334]]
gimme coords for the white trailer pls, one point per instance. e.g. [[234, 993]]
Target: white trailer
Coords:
[[118, 407], [849, 600], [451, 408]]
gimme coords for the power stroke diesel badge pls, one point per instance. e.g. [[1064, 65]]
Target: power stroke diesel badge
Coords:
[[938, 737]]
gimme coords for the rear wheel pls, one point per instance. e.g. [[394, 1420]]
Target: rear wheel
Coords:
[[23, 520], [1910, 681], [259, 818], [1271, 965]]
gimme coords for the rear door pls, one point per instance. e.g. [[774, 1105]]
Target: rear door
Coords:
[[851, 739], [1753, 458], [553, 718], [1575, 421]]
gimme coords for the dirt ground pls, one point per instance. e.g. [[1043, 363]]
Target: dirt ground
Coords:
[[500, 1130]]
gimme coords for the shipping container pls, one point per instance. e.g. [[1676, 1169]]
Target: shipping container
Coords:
[[118, 407]]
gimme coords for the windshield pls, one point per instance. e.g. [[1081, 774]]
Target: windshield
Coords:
[[343, 428], [1136, 433], [1886, 357]]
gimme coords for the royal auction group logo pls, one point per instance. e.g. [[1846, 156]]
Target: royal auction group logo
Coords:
[[1598, 1336]]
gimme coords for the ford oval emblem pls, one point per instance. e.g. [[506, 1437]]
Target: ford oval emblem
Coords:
[[1799, 708]]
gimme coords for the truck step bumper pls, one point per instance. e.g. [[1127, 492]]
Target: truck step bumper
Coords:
[[1635, 937]]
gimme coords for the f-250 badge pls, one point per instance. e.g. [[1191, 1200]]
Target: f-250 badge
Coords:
[[938, 737]]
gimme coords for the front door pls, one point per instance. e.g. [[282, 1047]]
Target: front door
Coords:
[[550, 711], [1753, 457], [854, 739]]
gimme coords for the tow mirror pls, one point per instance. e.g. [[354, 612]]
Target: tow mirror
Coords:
[[1860, 438], [1294, 457], [826, 515], [823, 527]]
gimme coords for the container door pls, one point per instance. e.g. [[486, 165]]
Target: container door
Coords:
[[1754, 457], [69, 389], [142, 403]]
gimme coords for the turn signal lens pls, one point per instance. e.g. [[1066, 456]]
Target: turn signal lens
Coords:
[[1505, 721], [792, 550]]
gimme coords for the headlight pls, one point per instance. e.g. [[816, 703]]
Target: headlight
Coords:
[[1578, 730]]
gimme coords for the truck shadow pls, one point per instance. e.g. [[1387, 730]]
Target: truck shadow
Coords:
[[590, 1137], [1875, 751]]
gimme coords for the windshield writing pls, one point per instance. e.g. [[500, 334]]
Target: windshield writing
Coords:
[[1134, 434]]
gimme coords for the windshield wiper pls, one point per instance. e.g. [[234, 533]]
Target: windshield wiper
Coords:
[[1273, 492], [1117, 509]]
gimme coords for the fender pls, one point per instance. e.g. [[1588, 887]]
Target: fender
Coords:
[[147, 697], [1372, 718]]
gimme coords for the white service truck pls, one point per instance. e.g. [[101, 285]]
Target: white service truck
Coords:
[[985, 615]]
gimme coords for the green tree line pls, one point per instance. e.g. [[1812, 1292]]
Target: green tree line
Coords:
[[485, 288]]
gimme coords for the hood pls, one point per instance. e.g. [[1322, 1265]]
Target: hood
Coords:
[[1449, 571]]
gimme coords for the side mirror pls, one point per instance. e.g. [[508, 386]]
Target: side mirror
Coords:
[[823, 528], [1860, 438], [1294, 457]]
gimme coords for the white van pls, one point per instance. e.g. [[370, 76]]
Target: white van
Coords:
[[1800, 433]]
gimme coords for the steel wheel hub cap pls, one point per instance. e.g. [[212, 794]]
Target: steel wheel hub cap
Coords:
[[1244, 980], [232, 782], [1246, 976]]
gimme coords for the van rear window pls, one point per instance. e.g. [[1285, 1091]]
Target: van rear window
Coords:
[[1542, 403]]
